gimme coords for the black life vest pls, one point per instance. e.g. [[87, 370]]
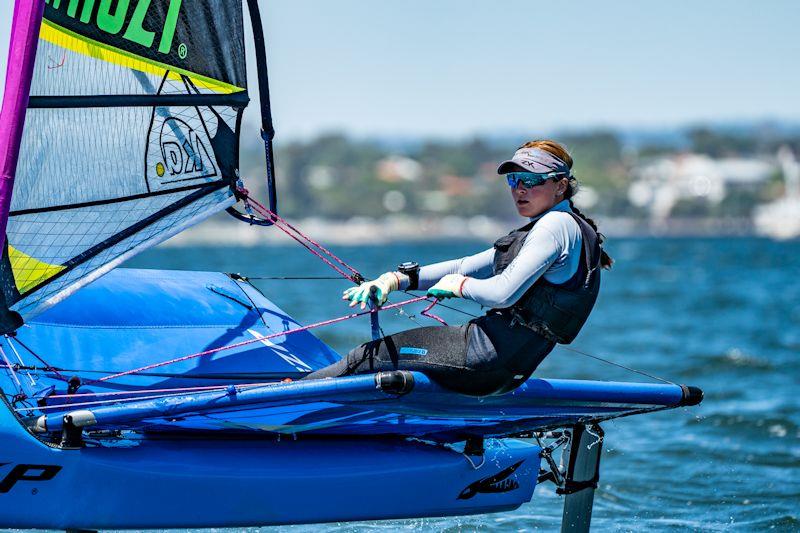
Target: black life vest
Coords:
[[555, 311]]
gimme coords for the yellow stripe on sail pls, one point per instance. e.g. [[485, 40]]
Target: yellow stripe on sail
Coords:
[[74, 42], [29, 271]]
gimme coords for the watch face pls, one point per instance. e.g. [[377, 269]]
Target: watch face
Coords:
[[408, 266]]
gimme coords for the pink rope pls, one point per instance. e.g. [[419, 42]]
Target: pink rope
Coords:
[[298, 236], [282, 224], [327, 252], [351, 277], [251, 341], [426, 312]]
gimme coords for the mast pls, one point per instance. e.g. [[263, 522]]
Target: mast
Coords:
[[21, 57], [19, 73]]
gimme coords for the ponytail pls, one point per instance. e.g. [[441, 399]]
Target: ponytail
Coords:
[[560, 152], [605, 260]]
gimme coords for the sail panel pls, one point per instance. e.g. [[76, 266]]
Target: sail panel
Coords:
[[172, 214], [206, 38], [121, 71], [132, 135]]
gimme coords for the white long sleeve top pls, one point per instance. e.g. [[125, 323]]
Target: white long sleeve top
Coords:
[[551, 249]]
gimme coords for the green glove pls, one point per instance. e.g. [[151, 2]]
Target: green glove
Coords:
[[448, 287], [385, 284]]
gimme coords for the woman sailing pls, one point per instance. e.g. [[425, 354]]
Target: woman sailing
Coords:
[[539, 281]]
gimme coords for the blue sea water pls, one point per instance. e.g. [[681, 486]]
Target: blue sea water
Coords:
[[721, 314]]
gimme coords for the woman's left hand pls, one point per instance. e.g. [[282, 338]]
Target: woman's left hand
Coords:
[[448, 287]]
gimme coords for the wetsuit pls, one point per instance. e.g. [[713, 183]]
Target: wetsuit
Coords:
[[493, 353]]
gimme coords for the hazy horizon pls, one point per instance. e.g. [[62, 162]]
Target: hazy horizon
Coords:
[[451, 70]]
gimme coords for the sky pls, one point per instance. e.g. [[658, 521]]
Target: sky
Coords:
[[458, 68]]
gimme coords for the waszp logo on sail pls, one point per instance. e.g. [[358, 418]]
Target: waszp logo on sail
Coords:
[[184, 154], [112, 16]]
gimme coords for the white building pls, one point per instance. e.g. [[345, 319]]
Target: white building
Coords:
[[661, 183]]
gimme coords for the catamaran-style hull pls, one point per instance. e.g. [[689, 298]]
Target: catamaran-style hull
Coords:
[[189, 482]]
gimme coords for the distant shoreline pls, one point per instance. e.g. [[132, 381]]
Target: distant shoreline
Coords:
[[366, 231]]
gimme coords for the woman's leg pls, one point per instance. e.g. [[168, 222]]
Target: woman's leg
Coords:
[[486, 356], [423, 349], [511, 352]]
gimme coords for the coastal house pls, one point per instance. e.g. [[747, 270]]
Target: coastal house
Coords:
[[660, 184]]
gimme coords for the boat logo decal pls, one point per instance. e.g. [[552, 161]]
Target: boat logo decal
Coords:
[[282, 352], [24, 472], [495, 484], [408, 350], [184, 152]]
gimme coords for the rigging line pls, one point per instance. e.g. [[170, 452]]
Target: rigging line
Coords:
[[450, 307], [565, 347], [625, 414], [41, 360], [231, 376], [337, 278], [148, 391], [315, 243], [604, 418], [357, 277], [426, 312], [412, 318], [277, 218], [307, 247], [21, 362], [251, 341], [98, 402], [643, 373], [11, 370]]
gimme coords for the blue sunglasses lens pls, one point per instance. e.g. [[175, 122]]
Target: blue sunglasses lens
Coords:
[[527, 179]]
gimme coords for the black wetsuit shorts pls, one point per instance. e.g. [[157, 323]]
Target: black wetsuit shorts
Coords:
[[485, 356]]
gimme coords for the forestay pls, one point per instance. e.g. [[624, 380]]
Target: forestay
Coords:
[[131, 136]]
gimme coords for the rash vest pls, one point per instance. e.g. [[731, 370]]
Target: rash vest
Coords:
[[555, 311]]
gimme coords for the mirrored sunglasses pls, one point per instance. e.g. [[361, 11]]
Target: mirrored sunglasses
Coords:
[[529, 179]]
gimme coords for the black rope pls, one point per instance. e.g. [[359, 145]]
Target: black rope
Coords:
[[597, 357], [575, 350]]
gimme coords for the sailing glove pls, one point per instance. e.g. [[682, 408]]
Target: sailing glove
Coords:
[[448, 287], [388, 282]]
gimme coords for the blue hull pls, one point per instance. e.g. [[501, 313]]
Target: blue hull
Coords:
[[174, 482], [229, 457]]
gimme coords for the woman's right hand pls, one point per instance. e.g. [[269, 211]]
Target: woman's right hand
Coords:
[[385, 284]]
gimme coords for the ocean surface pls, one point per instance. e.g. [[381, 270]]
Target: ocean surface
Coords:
[[721, 314]]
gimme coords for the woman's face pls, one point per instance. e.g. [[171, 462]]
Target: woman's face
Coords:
[[536, 200]]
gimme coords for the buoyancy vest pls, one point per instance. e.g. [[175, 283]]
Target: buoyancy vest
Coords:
[[555, 311]]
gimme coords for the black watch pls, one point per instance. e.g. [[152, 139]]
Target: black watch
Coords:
[[410, 269]]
